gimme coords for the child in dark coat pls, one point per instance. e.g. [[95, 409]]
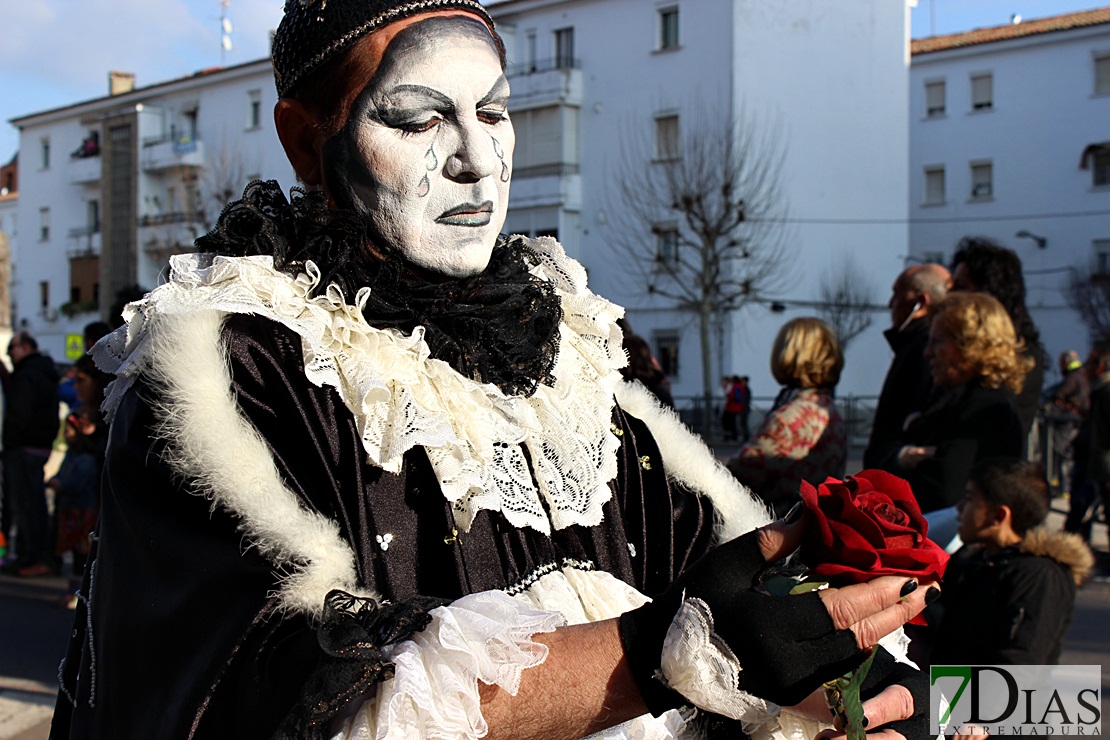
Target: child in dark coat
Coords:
[[1009, 592], [75, 490]]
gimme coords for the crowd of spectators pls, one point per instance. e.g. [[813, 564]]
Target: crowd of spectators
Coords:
[[954, 418], [48, 521]]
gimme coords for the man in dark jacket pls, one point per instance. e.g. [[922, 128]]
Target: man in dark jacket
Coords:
[[30, 426], [909, 382]]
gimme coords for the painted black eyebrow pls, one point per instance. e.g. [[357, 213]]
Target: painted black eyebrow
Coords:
[[435, 95], [499, 93]]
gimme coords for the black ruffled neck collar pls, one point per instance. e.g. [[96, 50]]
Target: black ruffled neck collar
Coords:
[[500, 327]]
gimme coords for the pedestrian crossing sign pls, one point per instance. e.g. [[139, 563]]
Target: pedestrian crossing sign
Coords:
[[75, 346]]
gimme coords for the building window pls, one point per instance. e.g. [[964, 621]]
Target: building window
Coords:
[[45, 151], [666, 137], [1096, 157], [92, 214], [84, 280], [89, 147], [982, 92], [539, 143], [666, 350], [934, 99], [1100, 253], [934, 186], [666, 245], [1102, 73], [190, 117], [1100, 167], [44, 294], [254, 109], [44, 224], [530, 53], [668, 28], [982, 187], [564, 48]]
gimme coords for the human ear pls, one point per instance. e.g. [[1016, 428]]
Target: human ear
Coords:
[[299, 132]]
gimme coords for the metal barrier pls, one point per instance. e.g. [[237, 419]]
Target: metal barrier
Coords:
[[857, 411]]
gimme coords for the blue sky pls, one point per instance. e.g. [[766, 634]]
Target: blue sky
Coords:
[[58, 52]]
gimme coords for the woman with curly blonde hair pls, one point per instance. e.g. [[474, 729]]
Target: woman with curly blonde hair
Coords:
[[803, 437], [984, 341], [975, 357]]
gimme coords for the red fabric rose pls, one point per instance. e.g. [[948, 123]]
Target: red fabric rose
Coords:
[[868, 525]]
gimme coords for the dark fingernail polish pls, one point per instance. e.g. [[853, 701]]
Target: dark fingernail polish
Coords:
[[794, 514], [866, 722], [931, 595], [908, 588]]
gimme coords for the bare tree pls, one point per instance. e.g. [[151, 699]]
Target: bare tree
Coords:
[[702, 217], [846, 301], [1089, 295]]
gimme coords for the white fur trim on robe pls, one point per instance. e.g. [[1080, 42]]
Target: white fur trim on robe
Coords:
[[691, 463]]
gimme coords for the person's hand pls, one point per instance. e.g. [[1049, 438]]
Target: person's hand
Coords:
[[895, 703], [786, 646], [911, 456]]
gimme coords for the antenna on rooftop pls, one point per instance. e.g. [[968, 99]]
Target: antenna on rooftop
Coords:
[[225, 30]]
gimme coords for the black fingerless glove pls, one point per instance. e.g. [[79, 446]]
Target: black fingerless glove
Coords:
[[787, 646], [885, 672]]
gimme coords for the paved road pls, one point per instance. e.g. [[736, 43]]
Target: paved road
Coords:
[[34, 629]]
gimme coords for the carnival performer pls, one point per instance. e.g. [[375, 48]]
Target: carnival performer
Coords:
[[373, 471]]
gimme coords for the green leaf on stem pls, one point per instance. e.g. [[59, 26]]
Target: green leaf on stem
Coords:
[[842, 696]]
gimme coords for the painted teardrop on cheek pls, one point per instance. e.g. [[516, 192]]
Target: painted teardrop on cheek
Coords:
[[501, 155], [431, 162]]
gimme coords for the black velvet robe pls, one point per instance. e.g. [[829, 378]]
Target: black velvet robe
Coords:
[[185, 638]]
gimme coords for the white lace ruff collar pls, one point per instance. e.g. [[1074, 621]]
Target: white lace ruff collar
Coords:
[[401, 398]]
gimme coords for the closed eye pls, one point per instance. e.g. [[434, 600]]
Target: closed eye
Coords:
[[492, 117], [418, 127]]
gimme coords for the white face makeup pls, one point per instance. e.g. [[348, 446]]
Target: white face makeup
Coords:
[[426, 154]]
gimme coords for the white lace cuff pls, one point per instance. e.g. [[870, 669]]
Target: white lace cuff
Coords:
[[699, 665], [483, 637]]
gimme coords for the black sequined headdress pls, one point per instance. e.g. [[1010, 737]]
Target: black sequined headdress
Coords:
[[314, 31]]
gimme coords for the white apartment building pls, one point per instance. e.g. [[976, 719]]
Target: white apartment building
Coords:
[[590, 76], [110, 187], [1010, 139], [9, 234]]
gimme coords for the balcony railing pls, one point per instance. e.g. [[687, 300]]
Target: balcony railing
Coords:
[[81, 170], [557, 169], [164, 154], [86, 240], [541, 66], [173, 217], [546, 83]]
